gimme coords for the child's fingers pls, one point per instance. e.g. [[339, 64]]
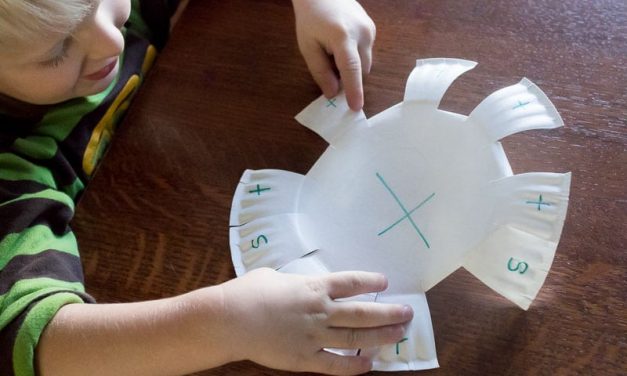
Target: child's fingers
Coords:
[[368, 315], [321, 69], [348, 63], [366, 42], [350, 338], [366, 58], [333, 364], [347, 284]]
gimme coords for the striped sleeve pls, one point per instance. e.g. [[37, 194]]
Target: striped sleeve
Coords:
[[40, 269]]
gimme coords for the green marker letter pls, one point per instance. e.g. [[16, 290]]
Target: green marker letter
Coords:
[[520, 266], [258, 241]]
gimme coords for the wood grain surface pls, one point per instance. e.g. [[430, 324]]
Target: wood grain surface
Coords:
[[222, 97]]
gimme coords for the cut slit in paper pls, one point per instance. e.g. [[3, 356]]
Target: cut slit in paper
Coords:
[[414, 193]]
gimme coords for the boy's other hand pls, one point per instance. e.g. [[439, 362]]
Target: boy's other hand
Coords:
[[336, 34], [286, 321]]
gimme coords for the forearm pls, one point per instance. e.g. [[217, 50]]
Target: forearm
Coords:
[[170, 336], [278, 320]]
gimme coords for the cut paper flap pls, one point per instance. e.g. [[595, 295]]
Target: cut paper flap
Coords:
[[267, 242], [534, 202], [330, 118], [416, 351], [515, 109], [432, 77], [263, 193], [512, 263]]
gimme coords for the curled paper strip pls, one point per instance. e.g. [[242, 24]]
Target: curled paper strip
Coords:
[[414, 193]]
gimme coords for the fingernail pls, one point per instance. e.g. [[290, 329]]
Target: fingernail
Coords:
[[408, 312]]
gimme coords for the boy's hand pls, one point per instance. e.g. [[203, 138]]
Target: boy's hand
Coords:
[[279, 320], [285, 321], [340, 29]]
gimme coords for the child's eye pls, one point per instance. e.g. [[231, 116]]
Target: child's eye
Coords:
[[55, 61], [59, 58]]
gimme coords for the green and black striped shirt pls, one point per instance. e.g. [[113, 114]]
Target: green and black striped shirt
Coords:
[[47, 156]]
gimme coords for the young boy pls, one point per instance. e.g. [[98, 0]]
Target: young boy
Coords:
[[68, 69]]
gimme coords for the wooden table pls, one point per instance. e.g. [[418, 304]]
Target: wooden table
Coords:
[[221, 99]]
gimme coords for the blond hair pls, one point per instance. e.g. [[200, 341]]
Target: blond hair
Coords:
[[25, 21]]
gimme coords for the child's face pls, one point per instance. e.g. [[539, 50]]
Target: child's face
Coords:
[[60, 67]]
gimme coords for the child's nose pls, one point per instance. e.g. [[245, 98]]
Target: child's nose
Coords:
[[103, 39]]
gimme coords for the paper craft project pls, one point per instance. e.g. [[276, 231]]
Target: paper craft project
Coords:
[[414, 193]]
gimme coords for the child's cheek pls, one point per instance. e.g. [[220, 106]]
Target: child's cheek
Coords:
[[62, 83]]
